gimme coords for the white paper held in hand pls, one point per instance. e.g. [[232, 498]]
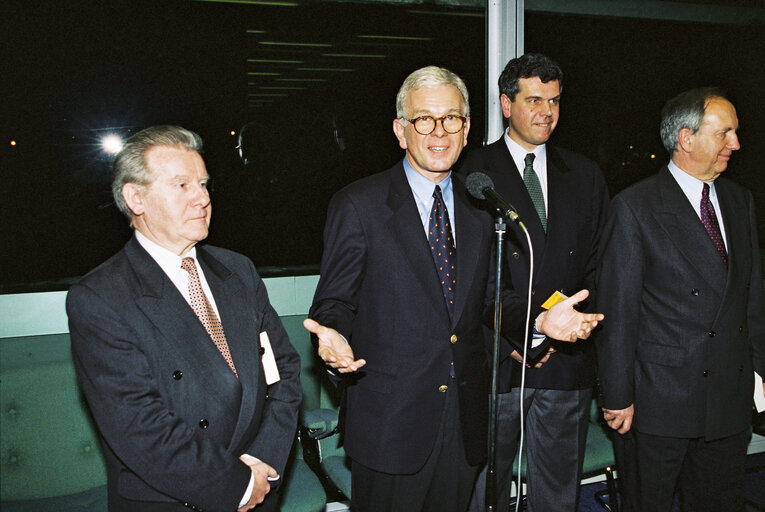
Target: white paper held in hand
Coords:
[[270, 369]]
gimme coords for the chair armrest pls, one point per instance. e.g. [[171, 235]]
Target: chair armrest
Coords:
[[320, 423]]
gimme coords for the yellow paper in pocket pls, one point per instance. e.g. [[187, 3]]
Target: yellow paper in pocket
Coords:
[[554, 299]]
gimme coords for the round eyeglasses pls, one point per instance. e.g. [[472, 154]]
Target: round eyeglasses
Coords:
[[424, 125]]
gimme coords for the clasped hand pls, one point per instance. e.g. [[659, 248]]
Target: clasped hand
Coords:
[[261, 487]]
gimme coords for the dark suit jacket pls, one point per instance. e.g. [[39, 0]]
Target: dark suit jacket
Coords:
[[173, 417], [682, 335], [564, 257], [379, 288]]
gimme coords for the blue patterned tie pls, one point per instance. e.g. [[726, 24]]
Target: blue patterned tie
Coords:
[[531, 180], [709, 219], [442, 247]]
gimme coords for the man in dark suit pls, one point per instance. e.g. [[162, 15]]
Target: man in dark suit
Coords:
[[188, 371], [680, 282], [405, 282], [564, 212]]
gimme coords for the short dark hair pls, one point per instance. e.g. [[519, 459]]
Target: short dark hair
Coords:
[[528, 65], [686, 110]]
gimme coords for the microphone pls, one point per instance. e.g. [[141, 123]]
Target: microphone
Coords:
[[480, 186]]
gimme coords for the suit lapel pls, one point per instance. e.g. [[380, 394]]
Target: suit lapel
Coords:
[[181, 330], [511, 183], [562, 210], [682, 224], [470, 233], [406, 228], [241, 324], [735, 238]]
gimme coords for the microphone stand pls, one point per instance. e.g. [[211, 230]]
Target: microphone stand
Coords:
[[491, 473]]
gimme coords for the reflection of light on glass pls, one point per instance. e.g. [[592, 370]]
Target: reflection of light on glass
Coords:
[[13, 143], [112, 144]]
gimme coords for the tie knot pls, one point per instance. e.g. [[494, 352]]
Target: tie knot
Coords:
[[437, 192], [529, 160], [188, 265], [705, 190]]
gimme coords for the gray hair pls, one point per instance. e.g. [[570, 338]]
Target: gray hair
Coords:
[[130, 164], [686, 110], [430, 76]]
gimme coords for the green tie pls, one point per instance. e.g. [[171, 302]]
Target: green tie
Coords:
[[535, 189]]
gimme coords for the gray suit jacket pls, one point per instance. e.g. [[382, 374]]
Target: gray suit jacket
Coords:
[[682, 335], [173, 417]]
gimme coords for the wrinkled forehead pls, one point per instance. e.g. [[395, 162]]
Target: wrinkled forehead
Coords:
[[438, 100], [167, 162]]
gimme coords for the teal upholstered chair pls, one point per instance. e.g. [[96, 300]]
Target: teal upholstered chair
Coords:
[[302, 490], [320, 427], [599, 458], [50, 456]]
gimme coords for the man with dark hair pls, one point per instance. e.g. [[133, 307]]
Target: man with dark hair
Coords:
[[192, 381], [561, 197], [679, 277], [404, 286]]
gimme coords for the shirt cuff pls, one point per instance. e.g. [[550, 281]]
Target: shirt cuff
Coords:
[[537, 337], [248, 493]]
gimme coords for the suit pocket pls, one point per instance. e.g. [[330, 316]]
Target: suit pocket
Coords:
[[372, 380], [665, 355]]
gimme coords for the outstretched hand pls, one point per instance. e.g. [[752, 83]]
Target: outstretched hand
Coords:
[[562, 322], [333, 349]]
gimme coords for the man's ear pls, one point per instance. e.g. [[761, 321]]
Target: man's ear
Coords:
[[398, 130], [685, 139], [133, 196], [504, 100]]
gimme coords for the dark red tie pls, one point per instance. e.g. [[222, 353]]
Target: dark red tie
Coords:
[[709, 219], [442, 247]]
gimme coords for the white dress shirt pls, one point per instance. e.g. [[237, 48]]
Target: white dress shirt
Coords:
[[540, 162], [691, 187]]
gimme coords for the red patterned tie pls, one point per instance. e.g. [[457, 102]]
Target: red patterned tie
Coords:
[[709, 219], [205, 311]]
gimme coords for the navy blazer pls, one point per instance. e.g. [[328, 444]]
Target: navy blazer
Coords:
[[173, 417], [564, 257], [682, 335], [379, 288]]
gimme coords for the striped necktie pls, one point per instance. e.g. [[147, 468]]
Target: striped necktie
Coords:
[[531, 180], [709, 219]]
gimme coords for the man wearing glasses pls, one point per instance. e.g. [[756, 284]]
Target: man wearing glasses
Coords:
[[404, 287]]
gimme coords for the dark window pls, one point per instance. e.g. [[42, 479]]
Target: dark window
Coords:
[[312, 83]]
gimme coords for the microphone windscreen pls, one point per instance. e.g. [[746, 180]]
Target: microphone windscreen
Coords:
[[476, 183]]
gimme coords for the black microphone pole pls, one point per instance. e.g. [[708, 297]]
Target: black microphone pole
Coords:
[[491, 473], [481, 187]]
